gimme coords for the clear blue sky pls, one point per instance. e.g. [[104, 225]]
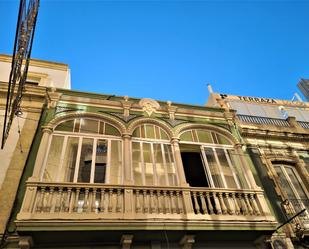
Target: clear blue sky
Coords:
[[169, 50]]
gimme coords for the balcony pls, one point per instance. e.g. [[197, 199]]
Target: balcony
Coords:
[[101, 205], [294, 206]]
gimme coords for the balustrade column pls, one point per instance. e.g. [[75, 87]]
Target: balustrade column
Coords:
[[42, 152], [178, 162]]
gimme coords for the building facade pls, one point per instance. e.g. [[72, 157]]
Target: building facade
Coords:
[[303, 86], [119, 172], [14, 155], [275, 134]]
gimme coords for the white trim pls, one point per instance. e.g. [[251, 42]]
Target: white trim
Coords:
[[64, 145], [142, 163], [207, 168], [232, 168], [220, 169], [165, 166], [154, 167], [208, 144], [108, 163], [80, 142], [46, 157], [93, 160]]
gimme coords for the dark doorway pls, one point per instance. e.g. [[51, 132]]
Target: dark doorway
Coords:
[[193, 166]]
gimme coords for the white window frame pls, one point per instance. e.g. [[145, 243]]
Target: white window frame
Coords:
[[225, 147], [141, 141], [82, 136], [287, 177]]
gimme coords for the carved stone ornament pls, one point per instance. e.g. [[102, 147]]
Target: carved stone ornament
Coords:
[[149, 105]]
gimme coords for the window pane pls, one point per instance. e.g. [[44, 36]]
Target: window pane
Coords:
[[236, 162], [116, 162], [89, 126], [284, 183], [226, 170], [53, 160], [100, 161], [137, 132], [111, 130], [85, 160], [160, 170], [143, 131], [214, 168], [137, 164], [222, 139], [186, 136], [148, 164], [69, 160], [150, 131], [296, 183], [170, 165], [164, 136], [65, 126], [204, 136]]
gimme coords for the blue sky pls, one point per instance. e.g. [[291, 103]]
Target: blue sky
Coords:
[[170, 50]]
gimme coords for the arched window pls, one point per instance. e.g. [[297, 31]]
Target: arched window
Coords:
[[152, 157], [293, 185], [84, 150], [210, 160]]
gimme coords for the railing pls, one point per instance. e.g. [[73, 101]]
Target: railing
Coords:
[[69, 201], [225, 202], [303, 124], [263, 120], [294, 206]]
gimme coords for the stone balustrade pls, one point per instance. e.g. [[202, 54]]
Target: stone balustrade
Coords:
[[78, 201]]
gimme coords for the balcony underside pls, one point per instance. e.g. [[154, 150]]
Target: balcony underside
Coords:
[[200, 223], [111, 239]]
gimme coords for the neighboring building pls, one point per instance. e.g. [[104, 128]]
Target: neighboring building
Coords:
[[13, 156], [119, 172], [303, 86], [276, 136]]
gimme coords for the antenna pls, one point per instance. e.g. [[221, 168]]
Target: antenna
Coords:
[[209, 88], [297, 97]]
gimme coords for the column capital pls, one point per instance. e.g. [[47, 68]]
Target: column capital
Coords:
[[47, 129], [175, 140], [127, 135]]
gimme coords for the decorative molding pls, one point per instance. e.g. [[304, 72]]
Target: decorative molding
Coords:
[[61, 109], [174, 122], [187, 241], [126, 241], [52, 98], [109, 118], [210, 127], [126, 106], [171, 110], [149, 105], [124, 117], [157, 122], [25, 242]]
